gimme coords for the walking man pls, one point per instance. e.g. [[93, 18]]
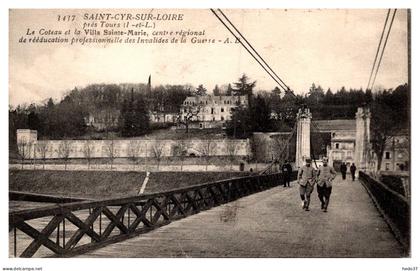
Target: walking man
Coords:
[[306, 180], [343, 169], [324, 183], [287, 173], [353, 171]]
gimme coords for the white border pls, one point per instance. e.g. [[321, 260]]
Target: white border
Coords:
[[204, 264]]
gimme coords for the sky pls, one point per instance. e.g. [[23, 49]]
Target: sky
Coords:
[[329, 47]]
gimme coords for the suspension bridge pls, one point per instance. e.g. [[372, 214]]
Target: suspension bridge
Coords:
[[250, 216]]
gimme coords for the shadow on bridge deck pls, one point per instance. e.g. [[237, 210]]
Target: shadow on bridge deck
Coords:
[[272, 224]]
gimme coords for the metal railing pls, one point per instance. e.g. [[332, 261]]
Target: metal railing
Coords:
[[394, 207], [75, 228]]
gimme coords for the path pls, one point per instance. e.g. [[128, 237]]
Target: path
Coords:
[[272, 224]]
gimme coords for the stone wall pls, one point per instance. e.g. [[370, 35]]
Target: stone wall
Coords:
[[51, 149]]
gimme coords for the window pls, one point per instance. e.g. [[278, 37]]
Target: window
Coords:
[[337, 145], [212, 110], [387, 166], [214, 118], [201, 126], [222, 109], [387, 155], [222, 118]]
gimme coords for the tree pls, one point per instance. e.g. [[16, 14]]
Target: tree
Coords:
[[241, 123], [201, 91], [42, 149], [190, 114], [216, 91], [133, 151], [206, 149], [134, 119], [243, 86], [246, 120], [229, 90], [276, 91], [157, 150], [231, 150], [390, 113], [180, 150], [110, 150], [34, 122], [87, 151], [24, 149], [64, 149], [315, 95], [261, 115]]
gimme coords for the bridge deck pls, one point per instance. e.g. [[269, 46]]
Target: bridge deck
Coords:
[[272, 224]]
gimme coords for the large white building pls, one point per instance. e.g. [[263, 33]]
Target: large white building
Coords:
[[210, 111]]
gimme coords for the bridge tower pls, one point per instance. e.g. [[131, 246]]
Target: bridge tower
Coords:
[[303, 136], [362, 137]]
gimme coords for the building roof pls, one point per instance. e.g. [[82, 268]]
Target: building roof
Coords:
[[215, 99], [335, 125]]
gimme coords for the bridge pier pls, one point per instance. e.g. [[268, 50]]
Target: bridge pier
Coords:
[[303, 136], [362, 138]]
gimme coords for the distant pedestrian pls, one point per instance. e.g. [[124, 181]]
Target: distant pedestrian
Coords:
[[353, 171], [306, 181], [343, 170], [326, 175], [287, 173]]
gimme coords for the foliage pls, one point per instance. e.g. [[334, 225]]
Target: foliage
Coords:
[[201, 91], [243, 86], [134, 118], [390, 114], [246, 120]]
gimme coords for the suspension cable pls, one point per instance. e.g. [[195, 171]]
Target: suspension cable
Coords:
[[377, 49], [253, 49], [383, 50], [248, 50]]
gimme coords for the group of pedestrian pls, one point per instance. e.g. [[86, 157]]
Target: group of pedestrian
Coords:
[[343, 170], [323, 178]]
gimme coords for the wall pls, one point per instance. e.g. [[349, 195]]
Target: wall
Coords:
[[269, 146], [141, 148]]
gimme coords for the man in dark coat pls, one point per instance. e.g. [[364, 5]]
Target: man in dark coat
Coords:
[[343, 170], [353, 171], [326, 175], [306, 181], [286, 169]]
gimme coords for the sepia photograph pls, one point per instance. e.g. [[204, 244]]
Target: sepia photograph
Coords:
[[209, 133]]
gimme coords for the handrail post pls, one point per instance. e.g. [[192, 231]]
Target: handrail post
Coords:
[[128, 218], [100, 224], [64, 233], [14, 242], [58, 234]]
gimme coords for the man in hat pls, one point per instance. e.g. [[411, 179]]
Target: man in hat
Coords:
[[287, 173], [353, 171], [306, 181], [324, 183], [343, 169]]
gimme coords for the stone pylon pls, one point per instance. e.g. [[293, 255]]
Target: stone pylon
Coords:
[[303, 136], [362, 137]]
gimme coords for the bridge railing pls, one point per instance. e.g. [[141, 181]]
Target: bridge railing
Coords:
[[73, 228], [394, 207]]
